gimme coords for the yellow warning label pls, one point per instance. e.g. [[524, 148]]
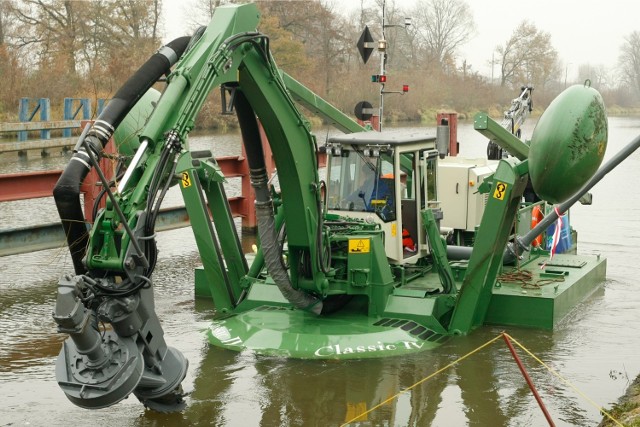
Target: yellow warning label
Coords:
[[394, 229], [501, 189], [186, 180], [359, 246]]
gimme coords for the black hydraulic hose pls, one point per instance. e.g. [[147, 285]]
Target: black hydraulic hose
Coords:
[[123, 219], [152, 196], [156, 66], [152, 215], [67, 197], [67, 190], [103, 191], [264, 208]]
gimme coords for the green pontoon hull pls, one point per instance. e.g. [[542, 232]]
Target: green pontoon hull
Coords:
[[565, 281], [273, 327]]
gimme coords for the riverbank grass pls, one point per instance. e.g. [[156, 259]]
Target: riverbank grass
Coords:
[[627, 411]]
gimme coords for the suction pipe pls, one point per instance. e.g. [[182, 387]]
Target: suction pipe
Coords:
[[67, 190], [523, 242], [264, 209]]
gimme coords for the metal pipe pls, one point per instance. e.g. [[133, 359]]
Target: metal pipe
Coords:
[[134, 164], [528, 380], [524, 241], [459, 252]]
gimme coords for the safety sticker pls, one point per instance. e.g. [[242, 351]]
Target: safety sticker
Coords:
[[501, 188], [186, 180], [359, 246]]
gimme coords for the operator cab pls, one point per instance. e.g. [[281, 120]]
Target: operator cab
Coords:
[[386, 178]]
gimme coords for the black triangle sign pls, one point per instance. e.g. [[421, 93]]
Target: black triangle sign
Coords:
[[364, 44]]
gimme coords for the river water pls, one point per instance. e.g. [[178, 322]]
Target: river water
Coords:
[[595, 348]]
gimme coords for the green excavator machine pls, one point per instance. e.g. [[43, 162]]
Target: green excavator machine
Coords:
[[353, 265]]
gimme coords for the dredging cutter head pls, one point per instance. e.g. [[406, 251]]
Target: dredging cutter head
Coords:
[[97, 369]]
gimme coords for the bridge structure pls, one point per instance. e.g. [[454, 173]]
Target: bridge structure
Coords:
[[40, 184], [33, 185]]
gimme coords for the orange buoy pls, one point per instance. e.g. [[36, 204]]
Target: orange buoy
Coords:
[[536, 217]]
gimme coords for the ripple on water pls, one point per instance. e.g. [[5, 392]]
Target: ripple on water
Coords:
[[595, 347]]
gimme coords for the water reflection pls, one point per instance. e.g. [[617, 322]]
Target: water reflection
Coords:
[[266, 391]]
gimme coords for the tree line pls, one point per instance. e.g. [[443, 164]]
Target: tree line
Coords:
[[63, 48]]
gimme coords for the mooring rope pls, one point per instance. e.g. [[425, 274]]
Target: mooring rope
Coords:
[[525, 278], [455, 362]]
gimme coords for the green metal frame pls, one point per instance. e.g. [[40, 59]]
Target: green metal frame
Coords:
[[493, 234], [208, 64], [498, 134], [381, 296]]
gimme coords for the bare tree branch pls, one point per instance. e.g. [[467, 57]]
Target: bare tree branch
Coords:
[[443, 26]]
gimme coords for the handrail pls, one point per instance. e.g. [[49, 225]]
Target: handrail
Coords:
[[44, 125]]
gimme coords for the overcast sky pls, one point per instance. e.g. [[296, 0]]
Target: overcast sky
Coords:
[[582, 31]]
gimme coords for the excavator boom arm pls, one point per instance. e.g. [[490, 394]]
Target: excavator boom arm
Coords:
[[113, 283]]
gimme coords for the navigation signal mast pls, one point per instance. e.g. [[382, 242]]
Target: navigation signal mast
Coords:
[[366, 45]]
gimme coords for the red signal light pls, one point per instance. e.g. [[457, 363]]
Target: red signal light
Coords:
[[405, 88], [382, 78]]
